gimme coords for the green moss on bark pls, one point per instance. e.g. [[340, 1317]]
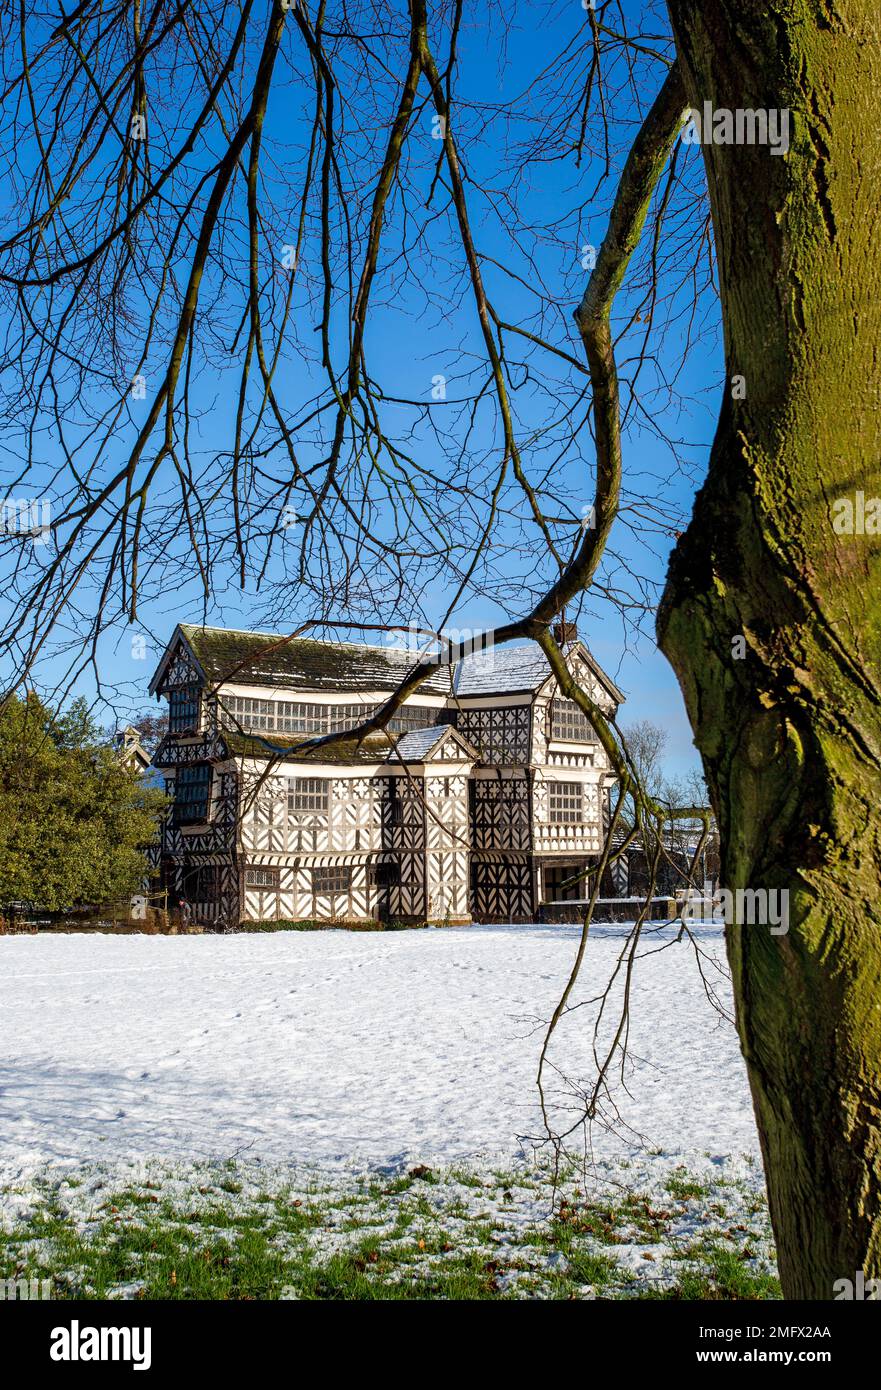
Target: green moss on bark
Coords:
[[791, 734]]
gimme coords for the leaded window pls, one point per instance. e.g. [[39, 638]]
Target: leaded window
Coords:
[[254, 714], [303, 717], [569, 723], [290, 716], [192, 793], [294, 718], [258, 876], [565, 802], [331, 879], [415, 717], [385, 874], [183, 709], [308, 795], [201, 883], [336, 719]]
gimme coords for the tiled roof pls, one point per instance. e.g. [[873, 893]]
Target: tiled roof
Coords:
[[502, 670], [268, 659], [511, 670], [411, 747], [265, 658], [415, 744]]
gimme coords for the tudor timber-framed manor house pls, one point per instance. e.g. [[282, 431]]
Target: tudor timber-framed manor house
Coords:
[[490, 793]]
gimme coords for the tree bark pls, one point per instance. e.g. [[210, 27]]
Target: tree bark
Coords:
[[790, 735]]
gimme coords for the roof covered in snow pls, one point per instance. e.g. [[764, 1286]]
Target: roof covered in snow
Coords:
[[302, 663], [502, 670], [228, 655], [414, 746]]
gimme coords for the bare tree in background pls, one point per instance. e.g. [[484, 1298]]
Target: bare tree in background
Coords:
[[209, 211], [646, 742]]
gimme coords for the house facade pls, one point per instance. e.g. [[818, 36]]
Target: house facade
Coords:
[[486, 795]]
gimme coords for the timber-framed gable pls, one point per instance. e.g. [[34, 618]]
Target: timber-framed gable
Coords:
[[485, 784]]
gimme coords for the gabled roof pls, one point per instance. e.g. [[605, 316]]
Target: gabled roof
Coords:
[[501, 670], [129, 748], [301, 663], [414, 746], [517, 670], [578, 649], [418, 744], [272, 659]]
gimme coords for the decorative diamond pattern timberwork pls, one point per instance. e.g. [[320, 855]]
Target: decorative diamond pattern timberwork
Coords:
[[412, 830], [181, 670], [500, 734]]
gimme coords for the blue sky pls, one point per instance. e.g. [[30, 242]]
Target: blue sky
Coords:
[[425, 326]]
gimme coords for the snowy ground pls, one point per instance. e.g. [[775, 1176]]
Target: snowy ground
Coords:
[[337, 1114], [373, 1048]]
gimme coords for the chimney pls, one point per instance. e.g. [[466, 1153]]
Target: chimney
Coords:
[[564, 633]]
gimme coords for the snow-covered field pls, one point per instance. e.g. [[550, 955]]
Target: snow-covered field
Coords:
[[344, 1115], [335, 1048]]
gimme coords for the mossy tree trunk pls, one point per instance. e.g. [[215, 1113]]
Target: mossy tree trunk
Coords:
[[788, 720]]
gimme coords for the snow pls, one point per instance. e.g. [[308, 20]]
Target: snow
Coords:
[[375, 1048], [497, 670]]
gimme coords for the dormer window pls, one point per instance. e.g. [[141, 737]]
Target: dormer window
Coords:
[[183, 709]]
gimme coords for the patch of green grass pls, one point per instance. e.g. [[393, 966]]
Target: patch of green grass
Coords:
[[395, 1186], [216, 1233], [350, 1277], [723, 1274], [466, 1178], [683, 1187]]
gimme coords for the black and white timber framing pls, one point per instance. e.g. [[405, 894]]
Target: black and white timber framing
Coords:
[[485, 798]]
